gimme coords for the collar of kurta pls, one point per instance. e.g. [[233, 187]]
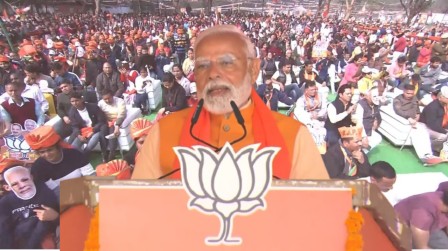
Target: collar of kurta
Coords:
[[264, 128]]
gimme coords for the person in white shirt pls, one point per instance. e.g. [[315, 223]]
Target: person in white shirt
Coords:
[[115, 110], [181, 79], [141, 96], [89, 125], [311, 110], [367, 115]]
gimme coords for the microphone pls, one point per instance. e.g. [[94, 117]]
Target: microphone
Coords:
[[240, 120], [196, 114], [194, 120]]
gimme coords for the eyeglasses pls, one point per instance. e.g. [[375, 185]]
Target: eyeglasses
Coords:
[[225, 62]]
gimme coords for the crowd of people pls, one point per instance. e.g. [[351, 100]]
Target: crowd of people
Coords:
[[90, 70]]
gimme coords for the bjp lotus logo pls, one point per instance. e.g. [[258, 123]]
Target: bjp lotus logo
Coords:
[[226, 183]]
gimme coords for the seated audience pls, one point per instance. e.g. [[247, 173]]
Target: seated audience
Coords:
[[431, 72], [398, 72], [173, 95], [109, 79], [29, 91], [366, 82], [89, 126], [141, 96], [311, 110], [339, 114], [346, 160], [406, 106], [17, 109], [57, 160], [181, 79], [286, 80], [28, 212], [435, 117], [115, 110], [368, 116], [193, 100], [188, 64], [33, 71], [60, 69], [272, 96]]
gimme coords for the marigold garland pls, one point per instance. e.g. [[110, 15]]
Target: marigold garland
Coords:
[[354, 224], [92, 242]]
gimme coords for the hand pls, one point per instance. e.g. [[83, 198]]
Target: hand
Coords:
[[66, 120], [282, 87], [117, 131], [122, 71], [412, 122], [351, 109], [162, 110], [365, 143], [358, 156], [324, 84], [46, 214], [375, 125], [82, 138]]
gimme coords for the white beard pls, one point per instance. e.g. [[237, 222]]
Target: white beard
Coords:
[[28, 195], [221, 104]]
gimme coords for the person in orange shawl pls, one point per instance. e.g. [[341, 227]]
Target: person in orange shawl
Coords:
[[57, 160], [225, 70]]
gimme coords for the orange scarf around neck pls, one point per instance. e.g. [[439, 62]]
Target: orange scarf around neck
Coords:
[[310, 108], [265, 132]]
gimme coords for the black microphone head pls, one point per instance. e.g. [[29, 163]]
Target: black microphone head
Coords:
[[237, 112], [196, 114]]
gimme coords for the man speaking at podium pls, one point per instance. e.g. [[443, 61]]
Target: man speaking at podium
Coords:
[[225, 70]]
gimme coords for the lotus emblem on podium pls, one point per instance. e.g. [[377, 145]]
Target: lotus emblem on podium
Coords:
[[226, 183]]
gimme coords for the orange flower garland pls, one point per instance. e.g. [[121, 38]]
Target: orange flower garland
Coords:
[[354, 224], [92, 242]]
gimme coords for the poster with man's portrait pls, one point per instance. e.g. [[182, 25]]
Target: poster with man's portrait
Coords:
[[14, 145]]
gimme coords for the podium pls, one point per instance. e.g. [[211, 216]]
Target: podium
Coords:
[[298, 215]]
